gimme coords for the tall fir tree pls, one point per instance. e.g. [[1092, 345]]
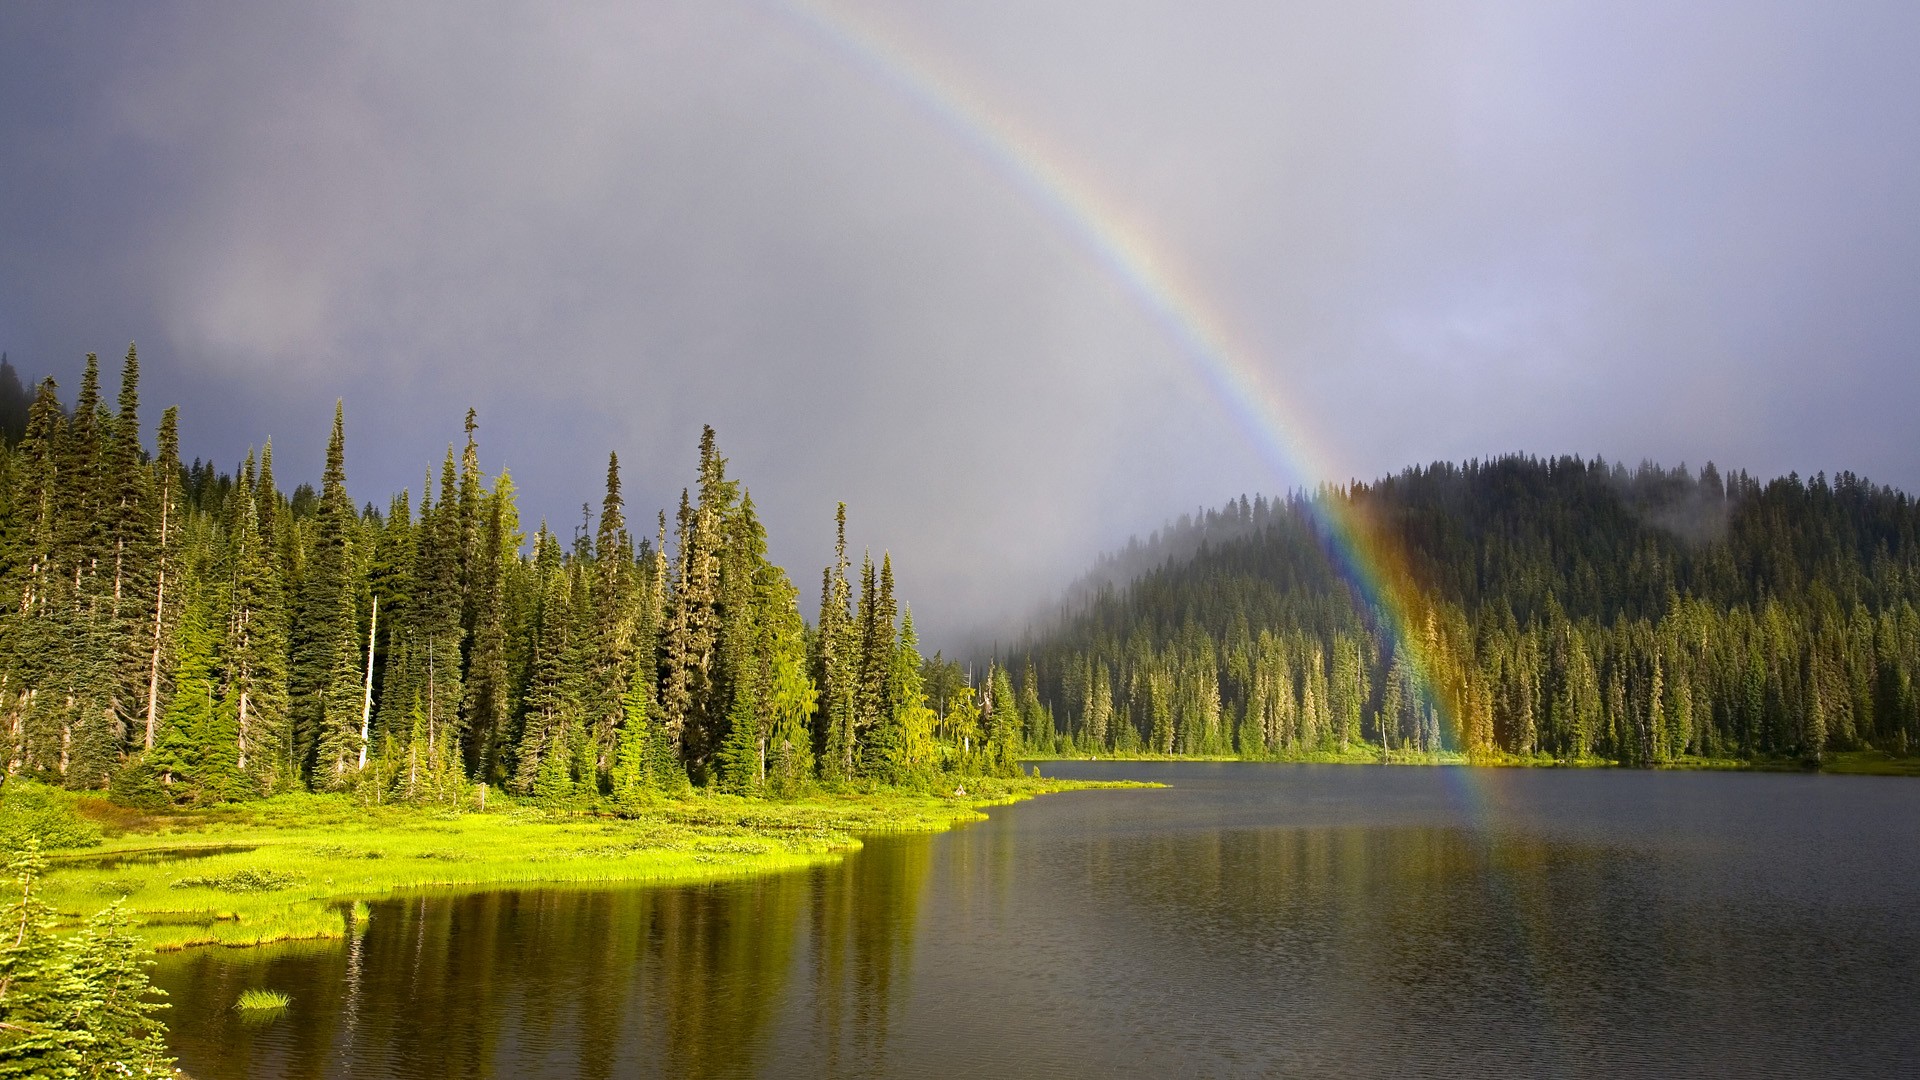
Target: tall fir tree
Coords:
[[326, 669]]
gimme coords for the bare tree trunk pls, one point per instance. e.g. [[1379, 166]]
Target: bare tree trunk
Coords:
[[159, 610], [242, 740], [366, 702]]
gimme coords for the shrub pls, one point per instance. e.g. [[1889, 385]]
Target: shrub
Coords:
[[242, 881], [31, 810]]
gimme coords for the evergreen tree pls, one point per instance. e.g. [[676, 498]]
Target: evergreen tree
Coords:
[[255, 653], [488, 688], [325, 671], [837, 665]]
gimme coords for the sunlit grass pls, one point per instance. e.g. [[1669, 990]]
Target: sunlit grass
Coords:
[[302, 866], [258, 1000]]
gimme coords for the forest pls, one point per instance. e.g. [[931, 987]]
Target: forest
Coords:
[[1520, 610], [182, 636]]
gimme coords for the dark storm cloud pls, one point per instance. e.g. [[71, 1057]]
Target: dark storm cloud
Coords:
[[1676, 232]]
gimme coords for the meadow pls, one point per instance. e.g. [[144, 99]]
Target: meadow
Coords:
[[294, 866]]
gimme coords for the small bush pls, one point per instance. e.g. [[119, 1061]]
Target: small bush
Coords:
[[336, 851], [31, 810], [242, 881], [137, 786]]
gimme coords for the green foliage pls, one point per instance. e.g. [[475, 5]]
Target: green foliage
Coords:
[[32, 812], [248, 880], [633, 778], [1511, 610], [78, 1006], [553, 784]]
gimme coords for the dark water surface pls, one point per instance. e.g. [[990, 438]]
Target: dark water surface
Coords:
[[1250, 920]]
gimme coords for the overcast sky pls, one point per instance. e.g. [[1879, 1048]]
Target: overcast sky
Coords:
[[1642, 230]]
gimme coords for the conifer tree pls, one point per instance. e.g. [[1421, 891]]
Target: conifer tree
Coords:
[[838, 662], [166, 488], [256, 644], [1001, 714], [912, 721], [327, 669], [549, 705], [488, 689], [133, 543], [751, 591], [874, 653], [197, 754], [613, 614]]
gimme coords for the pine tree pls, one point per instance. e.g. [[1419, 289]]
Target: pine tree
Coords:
[[166, 485], [613, 615], [255, 653], [549, 705], [1002, 725], [873, 736], [488, 689], [197, 753], [791, 698], [837, 669], [33, 1039], [912, 720], [133, 543], [325, 670]]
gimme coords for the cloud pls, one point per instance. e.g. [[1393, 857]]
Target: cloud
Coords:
[[1623, 229]]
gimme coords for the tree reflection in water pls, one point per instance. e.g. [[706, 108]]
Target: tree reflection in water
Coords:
[[690, 982]]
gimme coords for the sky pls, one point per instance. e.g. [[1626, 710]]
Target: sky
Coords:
[[919, 256]]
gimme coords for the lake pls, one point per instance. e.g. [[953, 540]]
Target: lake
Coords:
[[1248, 920]]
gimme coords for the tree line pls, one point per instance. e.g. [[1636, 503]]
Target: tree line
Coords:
[[183, 635], [1517, 609]]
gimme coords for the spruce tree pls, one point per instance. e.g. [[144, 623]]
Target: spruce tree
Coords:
[[488, 689], [838, 665], [326, 671], [166, 488], [549, 704], [255, 653], [911, 719], [611, 661]]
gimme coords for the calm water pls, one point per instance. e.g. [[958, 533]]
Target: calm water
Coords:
[[1250, 920]]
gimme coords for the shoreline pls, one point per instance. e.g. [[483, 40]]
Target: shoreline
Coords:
[[293, 867], [1839, 763]]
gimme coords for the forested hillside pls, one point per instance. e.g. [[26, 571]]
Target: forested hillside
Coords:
[[185, 635], [1515, 608]]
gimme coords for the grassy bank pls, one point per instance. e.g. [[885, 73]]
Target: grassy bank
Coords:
[[292, 867]]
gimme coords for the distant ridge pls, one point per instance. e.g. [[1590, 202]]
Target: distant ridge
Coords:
[[1565, 609]]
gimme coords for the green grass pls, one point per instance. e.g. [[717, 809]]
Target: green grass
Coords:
[[302, 866], [257, 1000], [1870, 763]]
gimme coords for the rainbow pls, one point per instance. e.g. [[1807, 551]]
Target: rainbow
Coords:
[[1363, 551], [1103, 233]]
